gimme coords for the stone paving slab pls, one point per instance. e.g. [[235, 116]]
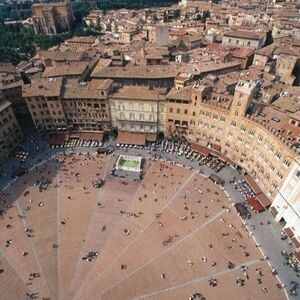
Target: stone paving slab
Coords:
[[171, 190], [43, 221], [12, 286], [102, 223], [119, 243]]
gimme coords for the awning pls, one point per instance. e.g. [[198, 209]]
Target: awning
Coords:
[[66, 137], [231, 162], [94, 136], [288, 231], [75, 135], [151, 137], [255, 205], [297, 256], [131, 138], [58, 139], [200, 149], [252, 184], [216, 147], [263, 200], [219, 155], [295, 242]]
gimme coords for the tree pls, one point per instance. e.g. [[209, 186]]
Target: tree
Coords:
[[80, 10]]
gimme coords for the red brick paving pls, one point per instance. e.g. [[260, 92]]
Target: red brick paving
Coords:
[[173, 192]]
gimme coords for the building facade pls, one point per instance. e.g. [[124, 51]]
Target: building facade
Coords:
[[81, 43], [138, 109], [59, 104], [52, 18], [286, 205], [94, 18], [11, 88], [222, 122], [10, 131], [242, 38], [256, 138]]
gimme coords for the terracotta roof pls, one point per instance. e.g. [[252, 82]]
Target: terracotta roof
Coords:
[[295, 116], [140, 93], [184, 93], [89, 90], [192, 38], [263, 200], [242, 52], [142, 71], [278, 120], [288, 231], [178, 32], [77, 68], [48, 87], [217, 47], [267, 51], [256, 189], [288, 103], [249, 35], [212, 67], [287, 50], [82, 39], [61, 55]]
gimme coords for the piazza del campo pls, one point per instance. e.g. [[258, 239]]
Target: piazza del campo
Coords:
[[153, 155]]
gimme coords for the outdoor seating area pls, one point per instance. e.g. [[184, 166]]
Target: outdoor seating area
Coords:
[[73, 142], [22, 155], [191, 153], [244, 189], [76, 139]]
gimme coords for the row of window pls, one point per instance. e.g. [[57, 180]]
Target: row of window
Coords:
[[178, 111], [90, 115], [33, 106], [4, 112], [237, 42], [84, 104], [9, 145], [211, 115], [140, 127], [6, 119], [130, 106], [10, 130], [132, 117], [262, 159]]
